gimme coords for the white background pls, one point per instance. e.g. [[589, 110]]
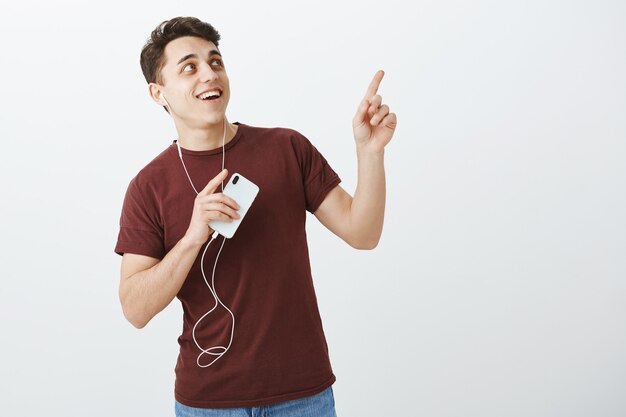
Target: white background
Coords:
[[498, 287]]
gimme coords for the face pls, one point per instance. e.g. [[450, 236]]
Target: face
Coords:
[[193, 66]]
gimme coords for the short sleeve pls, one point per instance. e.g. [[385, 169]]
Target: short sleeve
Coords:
[[139, 232], [318, 177]]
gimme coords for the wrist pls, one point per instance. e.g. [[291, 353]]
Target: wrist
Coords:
[[189, 243], [368, 152]]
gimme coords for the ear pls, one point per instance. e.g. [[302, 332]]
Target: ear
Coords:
[[155, 91]]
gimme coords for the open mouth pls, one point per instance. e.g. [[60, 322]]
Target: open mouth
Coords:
[[210, 95]]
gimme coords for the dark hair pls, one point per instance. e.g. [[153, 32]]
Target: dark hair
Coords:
[[152, 54]]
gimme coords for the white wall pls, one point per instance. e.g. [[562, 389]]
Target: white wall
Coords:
[[498, 288]]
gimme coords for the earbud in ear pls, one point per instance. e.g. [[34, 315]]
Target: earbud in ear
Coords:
[[166, 103]]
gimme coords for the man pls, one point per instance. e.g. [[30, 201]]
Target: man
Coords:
[[277, 356]]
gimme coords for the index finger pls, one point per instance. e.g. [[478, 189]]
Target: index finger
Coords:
[[373, 87], [212, 185]]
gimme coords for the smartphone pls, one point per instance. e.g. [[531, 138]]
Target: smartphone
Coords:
[[243, 191]]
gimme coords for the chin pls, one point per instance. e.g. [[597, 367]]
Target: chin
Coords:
[[214, 119]]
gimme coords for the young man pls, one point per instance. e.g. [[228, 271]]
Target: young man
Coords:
[[276, 357]]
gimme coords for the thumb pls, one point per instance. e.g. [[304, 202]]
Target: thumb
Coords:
[[214, 183], [361, 112]]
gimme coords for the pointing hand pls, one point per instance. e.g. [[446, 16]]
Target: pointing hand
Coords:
[[372, 124]]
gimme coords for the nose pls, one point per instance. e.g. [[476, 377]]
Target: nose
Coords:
[[207, 73]]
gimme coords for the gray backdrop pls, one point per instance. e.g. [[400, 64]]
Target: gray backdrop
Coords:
[[498, 287]]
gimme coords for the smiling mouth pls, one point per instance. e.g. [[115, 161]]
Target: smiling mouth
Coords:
[[210, 95]]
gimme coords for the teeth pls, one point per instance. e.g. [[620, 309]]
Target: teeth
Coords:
[[209, 94]]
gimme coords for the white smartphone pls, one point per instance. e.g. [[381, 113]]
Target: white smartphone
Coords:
[[243, 191]]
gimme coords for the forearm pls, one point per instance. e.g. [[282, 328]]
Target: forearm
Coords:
[[146, 293], [367, 210]]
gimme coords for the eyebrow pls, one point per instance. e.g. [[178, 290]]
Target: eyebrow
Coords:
[[186, 57]]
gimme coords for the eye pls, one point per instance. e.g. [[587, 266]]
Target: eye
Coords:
[[214, 62]]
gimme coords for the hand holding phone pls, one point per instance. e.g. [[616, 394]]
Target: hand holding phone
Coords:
[[243, 191]]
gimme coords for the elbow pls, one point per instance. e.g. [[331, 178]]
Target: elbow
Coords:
[[365, 244], [364, 238], [138, 324], [132, 316], [134, 319]]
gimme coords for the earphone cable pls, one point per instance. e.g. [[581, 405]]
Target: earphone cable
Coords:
[[211, 287]]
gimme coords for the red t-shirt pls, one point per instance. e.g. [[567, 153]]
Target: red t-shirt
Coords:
[[263, 275]]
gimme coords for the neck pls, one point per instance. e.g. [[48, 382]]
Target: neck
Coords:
[[208, 137]]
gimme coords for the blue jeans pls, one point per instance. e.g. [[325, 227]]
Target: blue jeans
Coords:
[[317, 405]]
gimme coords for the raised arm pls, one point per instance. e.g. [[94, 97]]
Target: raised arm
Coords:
[[359, 220]]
